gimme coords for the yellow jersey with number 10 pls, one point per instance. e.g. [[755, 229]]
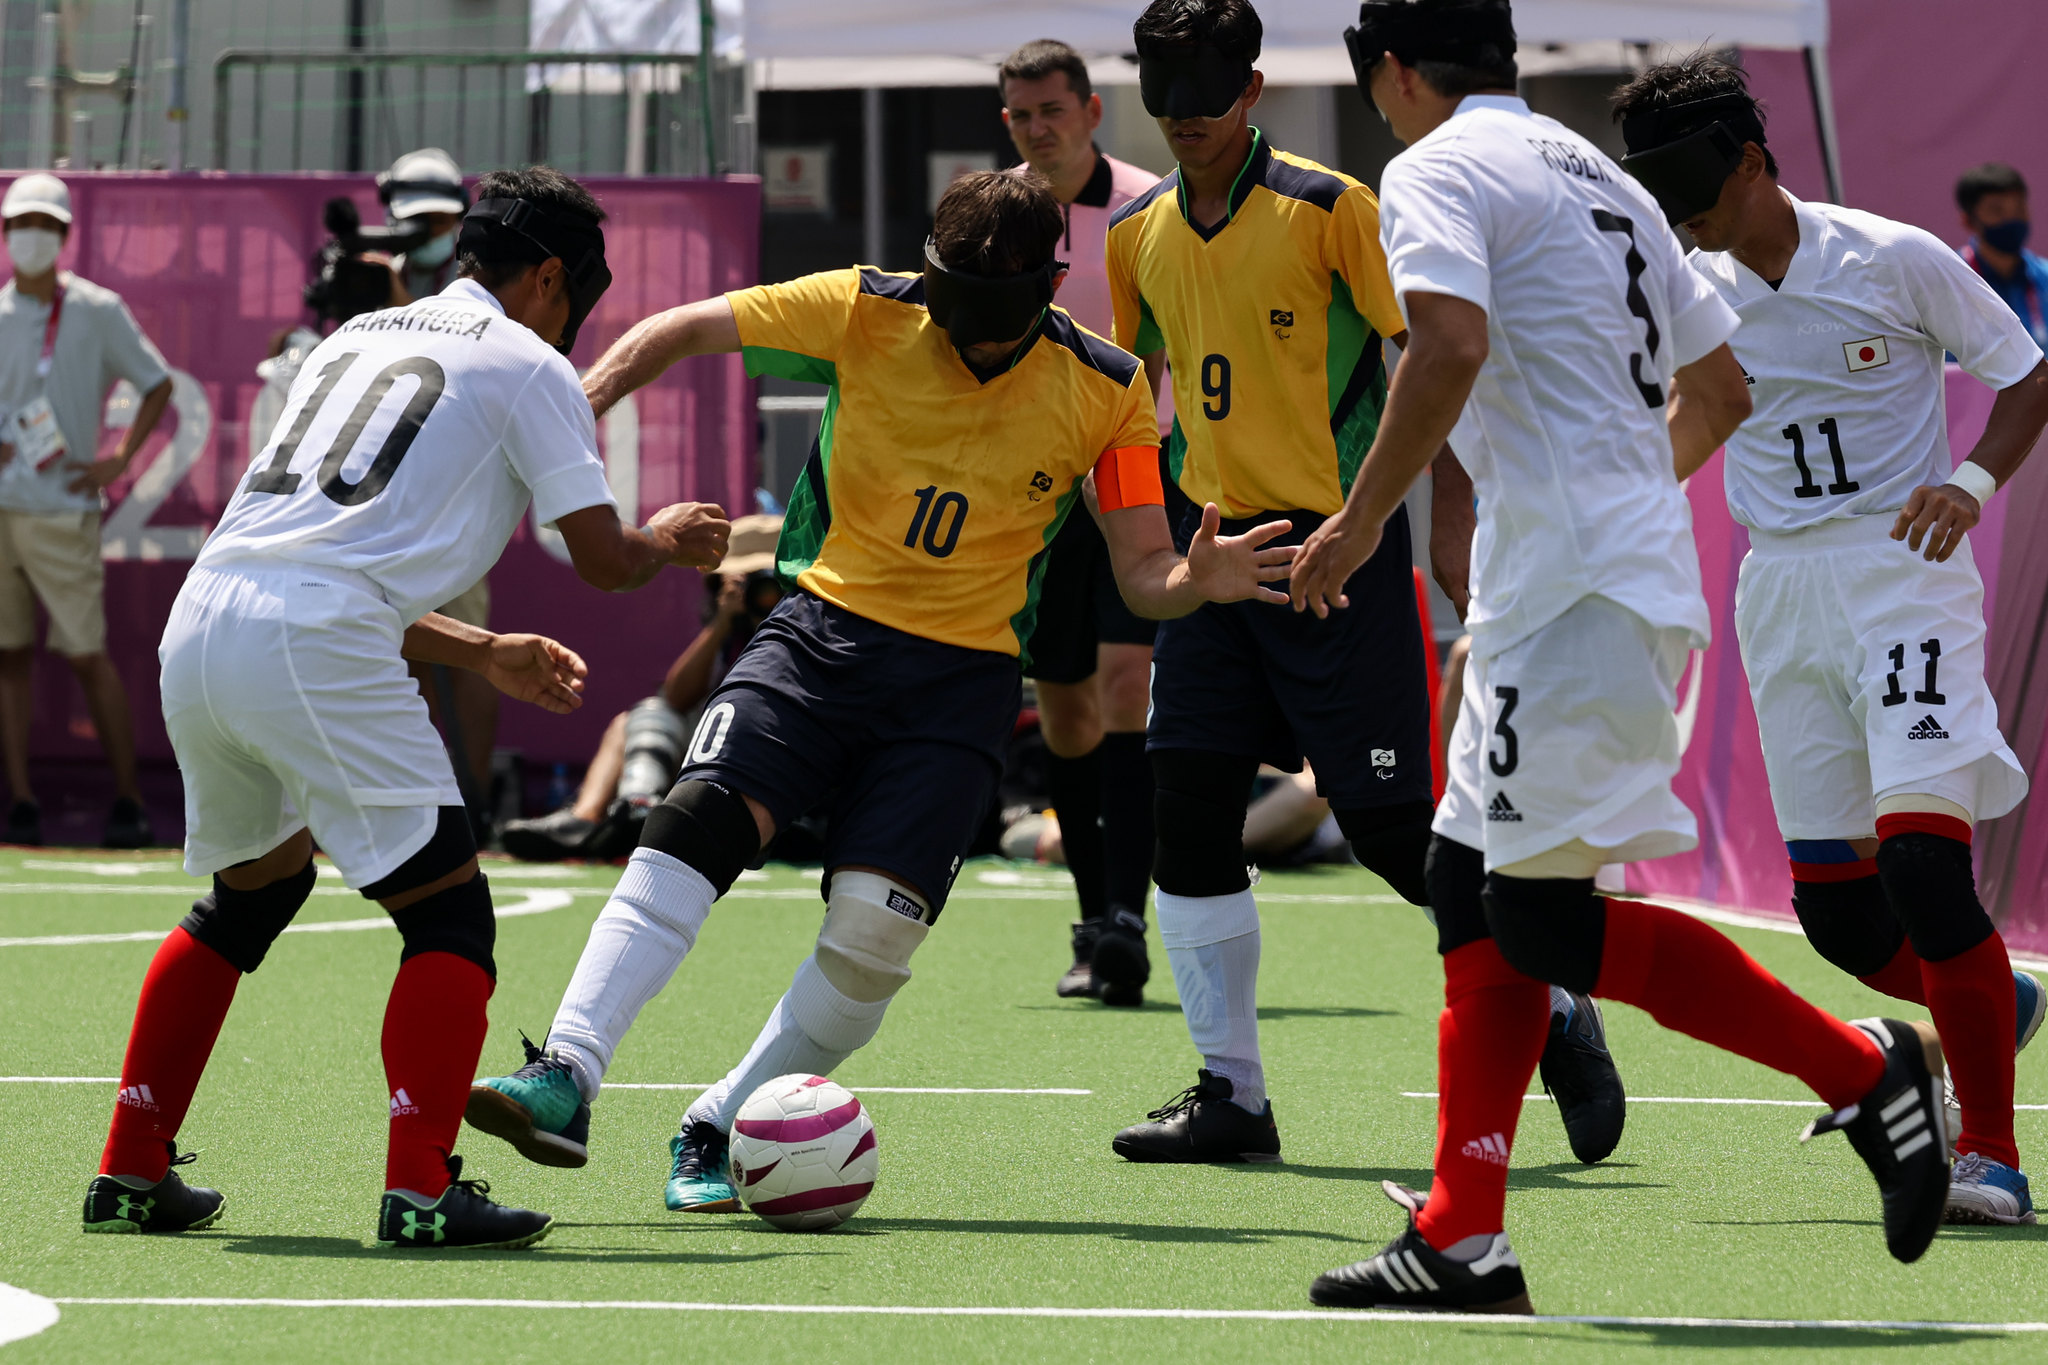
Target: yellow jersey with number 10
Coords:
[[932, 493], [1272, 322]]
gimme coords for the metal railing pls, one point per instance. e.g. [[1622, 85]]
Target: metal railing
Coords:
[[633, 113]]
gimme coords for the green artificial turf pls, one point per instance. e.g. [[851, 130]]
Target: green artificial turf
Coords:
[[983, 1200]]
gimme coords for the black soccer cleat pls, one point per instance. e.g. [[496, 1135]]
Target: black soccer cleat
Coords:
[[547, 838], [1410, 1274], [1202, 1125], [170, 1205], [1897, 1130], [127, 825], [1079, 982], [1578, 1072], [24, 824], [461, 1217], [1120, 965]]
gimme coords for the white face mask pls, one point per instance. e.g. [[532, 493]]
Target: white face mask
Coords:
[[33, 250], [432, 252]]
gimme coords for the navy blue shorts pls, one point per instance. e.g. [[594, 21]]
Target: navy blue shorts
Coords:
[[899, 739], [1350, 693], [1079, 606]]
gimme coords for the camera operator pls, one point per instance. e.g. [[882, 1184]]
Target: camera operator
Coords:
[[422, 192], [63, 343]]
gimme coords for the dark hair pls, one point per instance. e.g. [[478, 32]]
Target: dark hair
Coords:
[[1494, 70], [1037, 60], [543, 186], [997, 223], [1993, 177], [1231, 26], [1698, 77]]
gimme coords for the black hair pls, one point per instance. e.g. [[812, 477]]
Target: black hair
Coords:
[[1698, 77], [1036, 60], [1232, 27], [997, 223], [1993, 177], [543, 186]]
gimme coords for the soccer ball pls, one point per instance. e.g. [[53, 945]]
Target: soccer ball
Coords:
[[803, 1153]]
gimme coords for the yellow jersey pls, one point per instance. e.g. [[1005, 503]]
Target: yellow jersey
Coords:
[[932, 493], [1272, 322]]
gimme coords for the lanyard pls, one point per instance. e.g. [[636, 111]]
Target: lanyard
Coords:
[[50, 333], [2038, 324]]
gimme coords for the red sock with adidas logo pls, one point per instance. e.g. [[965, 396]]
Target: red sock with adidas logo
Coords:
[[185, 998], [434, 1030], [1489, 1039]]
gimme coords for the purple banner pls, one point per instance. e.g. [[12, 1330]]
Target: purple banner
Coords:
[[212, 265]]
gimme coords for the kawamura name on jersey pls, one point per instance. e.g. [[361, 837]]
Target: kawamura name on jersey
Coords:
[[416, 318]]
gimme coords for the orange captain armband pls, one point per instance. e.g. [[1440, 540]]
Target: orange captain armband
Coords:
[[1128, 477]]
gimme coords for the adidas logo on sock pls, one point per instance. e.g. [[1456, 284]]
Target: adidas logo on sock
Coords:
[[1502, 808], [1927, 728], [1491, 1148], [137, 1095], [401, 1103]]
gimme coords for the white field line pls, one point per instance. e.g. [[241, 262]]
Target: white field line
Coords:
[[535, 901], [977, 1311], [23, 1314], [1684, 1099], [856, 1089]]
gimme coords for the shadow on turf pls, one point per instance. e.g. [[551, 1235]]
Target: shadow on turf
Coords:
[[1266, 1012], [1555, 1176], [349, 1248], [1127, 1232], [1785, 1339]]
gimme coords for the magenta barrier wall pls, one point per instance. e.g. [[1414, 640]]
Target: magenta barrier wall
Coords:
[[1741, 858], [212, 265]]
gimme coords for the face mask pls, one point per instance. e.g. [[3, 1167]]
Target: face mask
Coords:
[[33, 250], [433, 252], [2008, 236]]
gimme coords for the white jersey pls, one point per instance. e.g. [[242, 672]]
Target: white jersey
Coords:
[[1845, 362], [1590, 310], [408, 450]]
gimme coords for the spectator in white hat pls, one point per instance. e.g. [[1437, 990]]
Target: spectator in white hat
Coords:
[[425, 187], [63, 342]]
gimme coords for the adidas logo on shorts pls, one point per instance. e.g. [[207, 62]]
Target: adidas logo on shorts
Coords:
[[1927, 728], [1502, 808], [1492, 1148], [137, 1095]]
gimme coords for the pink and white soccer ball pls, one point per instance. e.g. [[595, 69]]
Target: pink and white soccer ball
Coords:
[[803, 1153]]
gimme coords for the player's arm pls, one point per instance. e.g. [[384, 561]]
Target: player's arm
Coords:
[[689, 677], [1155, 371], [1453, 518], [1941, 515], [644, 353], [529, 668], [1159, 584], [614, 557], [1447, 346], [1709, 400]]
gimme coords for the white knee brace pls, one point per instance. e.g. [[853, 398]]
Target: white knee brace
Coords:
[[872, 926]]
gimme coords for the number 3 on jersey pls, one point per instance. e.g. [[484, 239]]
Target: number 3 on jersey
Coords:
[[276, 477]]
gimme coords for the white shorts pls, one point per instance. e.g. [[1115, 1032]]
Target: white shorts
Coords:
[[1866, 667], [1571, 733], [289, 707]]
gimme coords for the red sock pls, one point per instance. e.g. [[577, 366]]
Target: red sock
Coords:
[[185, 997], [1901, 979], [1690, 978], [1970, 997], [434, 1031], [1489, 1039]]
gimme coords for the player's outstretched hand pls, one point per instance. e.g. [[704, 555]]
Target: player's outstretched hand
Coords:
[[1233, 568], [693, 533], [1939, 515], [1328, 558], [536, 669]]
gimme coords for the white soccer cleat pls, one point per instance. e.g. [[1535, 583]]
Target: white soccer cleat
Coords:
[[1981, 1190]]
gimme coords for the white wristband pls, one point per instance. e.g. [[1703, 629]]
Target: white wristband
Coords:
[[1975, 480]]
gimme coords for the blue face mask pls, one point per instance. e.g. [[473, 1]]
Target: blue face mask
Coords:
[[2008, 236], [432, 252]]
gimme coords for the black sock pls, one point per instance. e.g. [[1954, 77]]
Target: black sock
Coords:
[[1126, 818], [1074, 785]]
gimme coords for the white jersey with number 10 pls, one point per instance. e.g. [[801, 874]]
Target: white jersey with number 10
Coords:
[[408, 450]]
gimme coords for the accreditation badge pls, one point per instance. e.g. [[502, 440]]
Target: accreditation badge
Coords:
[[36, 437]]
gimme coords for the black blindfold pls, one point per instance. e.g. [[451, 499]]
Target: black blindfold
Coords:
[[497, 228]]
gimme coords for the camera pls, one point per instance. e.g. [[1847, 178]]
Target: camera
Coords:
[[343, 283]]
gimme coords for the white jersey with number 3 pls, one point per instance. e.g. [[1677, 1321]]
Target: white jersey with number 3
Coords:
[[1845, 362], [409, 448], [1590, 310]]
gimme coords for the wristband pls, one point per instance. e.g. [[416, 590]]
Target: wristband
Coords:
[[1976, 480]]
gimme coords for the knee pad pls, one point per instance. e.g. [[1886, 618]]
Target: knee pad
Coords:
[[1551, 929], [241, 925], [1456, 876], [452, 844], [707, 826], [458, 921], [1198, 805], [1933, 890], [1849, 922], [1393, 842], [872, 926], [654, 751], [1198, 921]]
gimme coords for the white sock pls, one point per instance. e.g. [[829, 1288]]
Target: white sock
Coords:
[[1212, 943], [643, 934], [813, 1029]]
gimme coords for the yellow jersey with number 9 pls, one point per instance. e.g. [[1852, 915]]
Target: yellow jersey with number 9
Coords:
[[932, 492], [1271, 320]]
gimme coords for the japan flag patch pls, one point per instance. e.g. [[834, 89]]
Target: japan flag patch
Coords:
[[1866, 354]]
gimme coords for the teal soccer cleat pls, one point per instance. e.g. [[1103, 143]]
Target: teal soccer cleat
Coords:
[[700, 1172], [537, 1109]]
